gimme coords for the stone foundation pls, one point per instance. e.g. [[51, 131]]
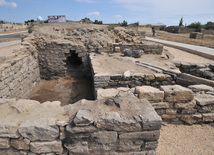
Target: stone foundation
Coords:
[[173, 103], [114, 127]]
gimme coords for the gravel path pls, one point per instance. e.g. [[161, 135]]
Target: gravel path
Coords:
[[186, 140]]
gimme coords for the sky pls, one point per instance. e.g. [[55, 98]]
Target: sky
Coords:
[[168, 12]]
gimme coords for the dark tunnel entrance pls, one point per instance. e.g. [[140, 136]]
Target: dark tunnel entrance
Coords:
[[73, 59]]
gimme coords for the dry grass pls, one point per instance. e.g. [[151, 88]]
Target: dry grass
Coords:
[[13, 31]]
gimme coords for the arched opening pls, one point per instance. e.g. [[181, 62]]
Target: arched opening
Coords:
[[74, 60]]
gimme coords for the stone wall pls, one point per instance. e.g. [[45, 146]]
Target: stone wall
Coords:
[[131, 81], [196, 35], [53, 60], [147, 47], [173, 103], [114, 127], [200, 70], [19, 76]]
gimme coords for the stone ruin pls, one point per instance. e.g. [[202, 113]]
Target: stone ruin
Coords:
[[125, 118]]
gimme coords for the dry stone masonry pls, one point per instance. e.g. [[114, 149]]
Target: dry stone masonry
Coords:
[[114, 127], [173, 103]]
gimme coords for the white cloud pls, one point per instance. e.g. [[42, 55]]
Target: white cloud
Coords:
[[118, 16], [168, 9], [11, 4], [93, 13], [86, 1]]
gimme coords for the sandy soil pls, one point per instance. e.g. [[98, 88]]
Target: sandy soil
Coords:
[[186, 140], [67, 91]]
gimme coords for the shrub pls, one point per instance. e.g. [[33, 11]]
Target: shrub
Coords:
[[124, 23], [111, 27], [196, 25]]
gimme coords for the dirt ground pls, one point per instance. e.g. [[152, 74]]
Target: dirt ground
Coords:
[[67, 91], [186, 140]]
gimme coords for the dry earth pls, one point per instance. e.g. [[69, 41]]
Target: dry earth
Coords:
[[186, 140]]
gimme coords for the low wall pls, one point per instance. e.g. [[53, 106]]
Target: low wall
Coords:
[[147, 47], [114, 127], [200, 70], [173, 103], [19, 76]]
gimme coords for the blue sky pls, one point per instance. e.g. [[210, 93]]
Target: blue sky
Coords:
[[168, 12]]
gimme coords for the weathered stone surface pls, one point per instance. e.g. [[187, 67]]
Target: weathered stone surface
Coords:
[[145, 135], [204, 99], [127, 74], [176, 93], [4, 143], [190, 104], [105, 137], [3, 100], [113, 121], [171, 111], [84, 129], [10, 152], [160, 105], [101, 78], [150, 93], [188, 119], [78, 147], [209, 117], [160, 77], [201, 87], [23, 105], [83, 118], [20, 144], [43, 130], [149, 77], [46, 147], [129, 145], [151, 121], [106, 93], [133, 53], [152, 145]]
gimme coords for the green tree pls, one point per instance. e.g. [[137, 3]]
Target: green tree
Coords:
[[181, 22], [196, 25], [209, 25], [124, 23], [97, 22]]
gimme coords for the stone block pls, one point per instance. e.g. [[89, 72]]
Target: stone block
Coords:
[[204, 99], [200, 87], [151, 145], [176, 93], [150, 93], [196, 35], [113, 121], [129, 145], [160, 77], [20, 144], [84, 129], [171, 111], [43, 130], [187, 105], [106, 93], [105, 137], [23, 105], [46, 147], [149, 77], [83, 118], [209, 117], [101, 78], [160, 105], [188, 119], [145, 135], [4, 143], [78, 147]]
